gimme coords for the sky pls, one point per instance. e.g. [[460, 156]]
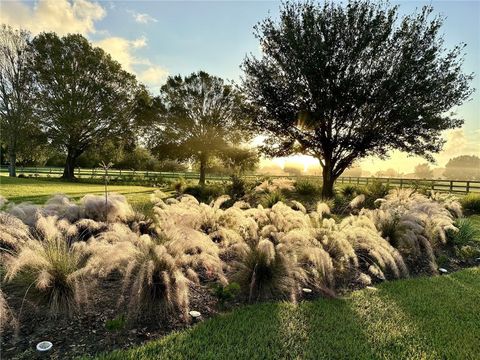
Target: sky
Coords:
[[155, 39]]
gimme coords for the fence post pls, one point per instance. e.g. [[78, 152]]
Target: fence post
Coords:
[[358, 180], [451, 185], [367, 180], [433, 184], [468, 187]]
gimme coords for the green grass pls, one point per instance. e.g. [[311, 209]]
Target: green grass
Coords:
[[38, 191], [422, 318]]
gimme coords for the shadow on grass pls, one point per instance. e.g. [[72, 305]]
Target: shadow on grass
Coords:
[[451, 330]]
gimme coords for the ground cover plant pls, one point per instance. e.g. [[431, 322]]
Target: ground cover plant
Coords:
[[65, 255]]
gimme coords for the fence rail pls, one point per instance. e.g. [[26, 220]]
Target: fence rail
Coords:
[[446, 185]]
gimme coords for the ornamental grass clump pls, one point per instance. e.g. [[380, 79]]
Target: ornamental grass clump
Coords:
[[49, 271], [415, 224], [471, 204], [156, 285], [266, 272]]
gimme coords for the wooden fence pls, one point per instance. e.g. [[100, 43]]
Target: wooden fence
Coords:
[[454, 186]]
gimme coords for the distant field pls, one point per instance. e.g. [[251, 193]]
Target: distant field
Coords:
[[118, 176], [38, 191]]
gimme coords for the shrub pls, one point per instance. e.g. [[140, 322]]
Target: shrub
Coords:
[[237, 188], [465, 233], [349, 191], [270, 199], [467, 252], [205, 193], [116, 324], [373, 191], [471, 204], [179, 185], [307, 188], [225, 293]]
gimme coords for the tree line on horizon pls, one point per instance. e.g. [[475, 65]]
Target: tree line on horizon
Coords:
[[339, 82]]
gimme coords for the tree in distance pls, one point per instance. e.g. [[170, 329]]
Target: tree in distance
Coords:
[[343, 81]]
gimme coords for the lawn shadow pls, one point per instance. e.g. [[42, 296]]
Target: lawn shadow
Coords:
[[426, 303]]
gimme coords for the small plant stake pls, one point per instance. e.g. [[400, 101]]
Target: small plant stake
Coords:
[[105, 168], [44, 348]]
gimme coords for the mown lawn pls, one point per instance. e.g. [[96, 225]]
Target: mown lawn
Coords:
[[38, 191], [422, 318]]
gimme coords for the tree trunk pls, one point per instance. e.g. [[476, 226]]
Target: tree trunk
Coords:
[[203, 165], [69, 169], [12, 160], [328, 180]]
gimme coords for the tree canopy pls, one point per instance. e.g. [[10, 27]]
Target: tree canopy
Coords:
[[464, 167], [343, 82], [82, 95], [423, 171], [16, 100], [198, 116]]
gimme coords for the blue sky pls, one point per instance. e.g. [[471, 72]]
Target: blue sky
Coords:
[[158, 38]]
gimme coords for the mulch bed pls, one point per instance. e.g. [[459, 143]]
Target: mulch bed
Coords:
[[85, 333]]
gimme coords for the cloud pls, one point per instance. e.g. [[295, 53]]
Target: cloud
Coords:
[[153, 76], [142, 18], [122, 50], [60, 16]]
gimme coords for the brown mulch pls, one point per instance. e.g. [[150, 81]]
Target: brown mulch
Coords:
[[84, 333]]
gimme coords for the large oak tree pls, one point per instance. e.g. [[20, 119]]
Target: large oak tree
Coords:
[[16, 100], [82, 95], [342, 82], [197, 117]]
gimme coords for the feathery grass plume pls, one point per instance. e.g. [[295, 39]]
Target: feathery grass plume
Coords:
[[193, 250], [340, 250], [374, 253], [266, 273], [449, 201], [26, 212], [49, 271], [155, 282], [88, 228], [406, 232], [275, 185], [284, 218], [118, 208], [357, 201], [296, 205], [61, 206], [13, 233], [317, 270]]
